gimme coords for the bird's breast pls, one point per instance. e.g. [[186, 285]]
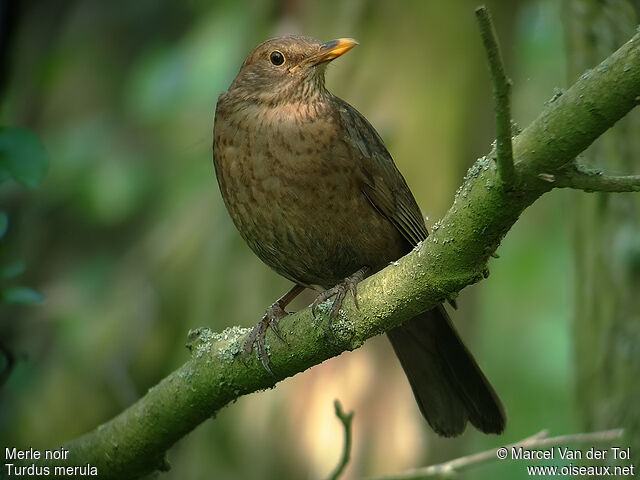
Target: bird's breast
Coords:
[[279, 155], [294, 192]]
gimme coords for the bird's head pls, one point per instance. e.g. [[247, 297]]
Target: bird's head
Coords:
[[286, 69]]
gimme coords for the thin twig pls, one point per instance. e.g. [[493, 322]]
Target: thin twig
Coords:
[[501, 97], [537, 441], [591, 181], [345, 419]]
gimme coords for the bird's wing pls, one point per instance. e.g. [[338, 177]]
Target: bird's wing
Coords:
[[383, 184]]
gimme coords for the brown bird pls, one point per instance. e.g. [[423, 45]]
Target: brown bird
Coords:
[[312, 189]]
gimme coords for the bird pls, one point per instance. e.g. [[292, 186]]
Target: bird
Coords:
[[314, 192]]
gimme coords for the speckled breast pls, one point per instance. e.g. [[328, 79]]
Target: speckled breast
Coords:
[[293, 190]]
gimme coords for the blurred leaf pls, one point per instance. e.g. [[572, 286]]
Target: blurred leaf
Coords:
[[23, 295], [12, 269], [22, 156], [113, 189], [4, 222]]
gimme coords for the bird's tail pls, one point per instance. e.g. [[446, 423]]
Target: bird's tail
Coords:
[[447, 382]]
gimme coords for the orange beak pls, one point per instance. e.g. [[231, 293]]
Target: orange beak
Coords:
[[333, 49]]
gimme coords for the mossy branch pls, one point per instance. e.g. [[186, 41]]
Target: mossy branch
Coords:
[[455, 255], [579, 178], [501, 98]]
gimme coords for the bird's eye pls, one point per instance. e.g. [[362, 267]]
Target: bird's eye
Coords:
[[276, 58]]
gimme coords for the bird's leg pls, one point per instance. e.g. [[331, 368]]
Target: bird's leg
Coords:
[[270, 319], [340, 291]]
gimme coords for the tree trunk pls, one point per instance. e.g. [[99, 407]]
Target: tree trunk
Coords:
[[606, 325]]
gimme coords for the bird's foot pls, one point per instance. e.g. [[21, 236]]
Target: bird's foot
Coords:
[[271, 318], [340, 291]]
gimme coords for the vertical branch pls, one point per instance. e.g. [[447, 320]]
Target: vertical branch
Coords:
[[501, 97], [345, 419]]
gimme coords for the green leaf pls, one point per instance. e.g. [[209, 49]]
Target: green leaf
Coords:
[[12, 269], [21, 295], [22, 156], [4, 223]]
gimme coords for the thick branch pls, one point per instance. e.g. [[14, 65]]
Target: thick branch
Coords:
[[501, 97], [454, 256], [540, 440]]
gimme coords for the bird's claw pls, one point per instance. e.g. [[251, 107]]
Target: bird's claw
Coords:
[[340, 290], [271, 318]]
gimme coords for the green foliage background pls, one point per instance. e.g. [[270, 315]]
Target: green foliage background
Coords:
[[129, 242]]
